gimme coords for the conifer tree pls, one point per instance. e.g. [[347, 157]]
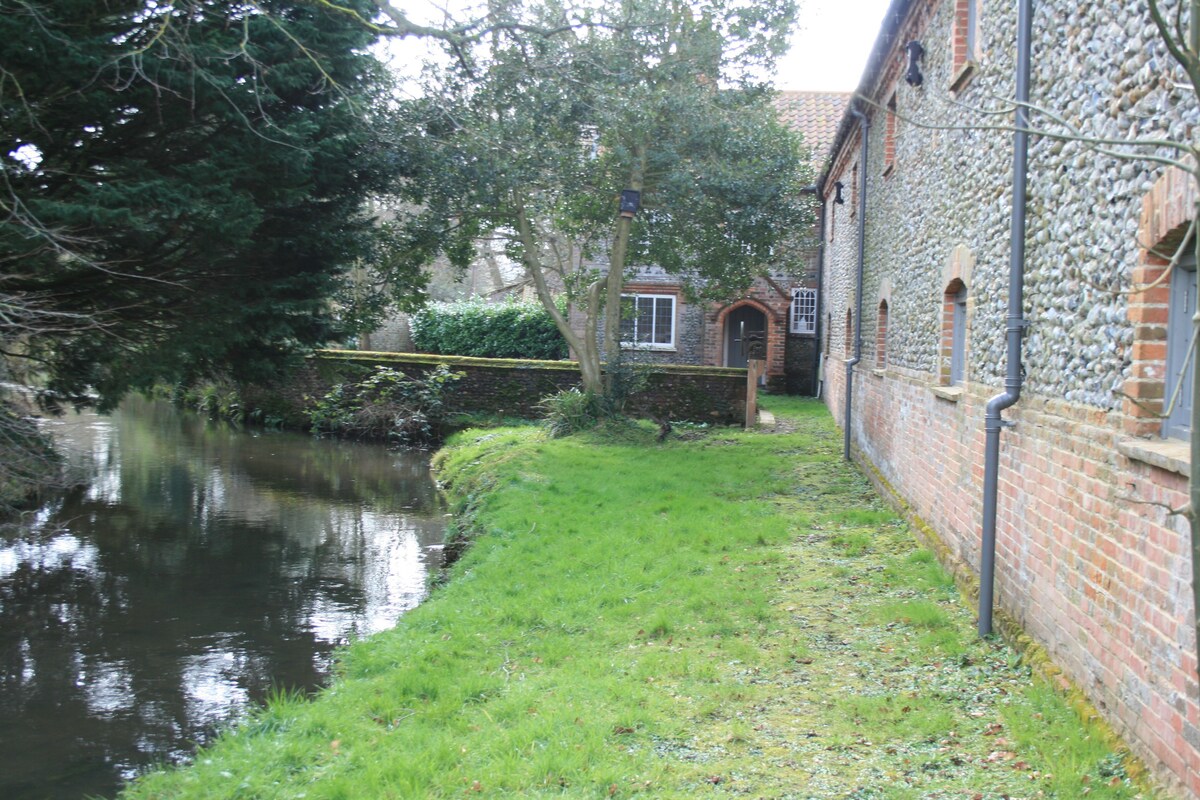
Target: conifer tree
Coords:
[[183, 184]]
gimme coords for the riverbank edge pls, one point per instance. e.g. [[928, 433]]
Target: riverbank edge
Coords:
[[30, 464], [459, 491]]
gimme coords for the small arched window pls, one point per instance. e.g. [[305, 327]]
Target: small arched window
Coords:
[[849, 338], [954, 334], [965, 44], [1180, 356], [881, 336]]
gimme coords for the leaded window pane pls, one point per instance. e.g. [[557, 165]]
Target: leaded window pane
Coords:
[[645, 320], [648, 320], [804, 311], [628, 319], [959, 338], [664, 317]]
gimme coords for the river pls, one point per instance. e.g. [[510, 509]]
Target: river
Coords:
[[197, 569]]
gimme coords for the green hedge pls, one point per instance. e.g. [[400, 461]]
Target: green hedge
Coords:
[[488, 330]]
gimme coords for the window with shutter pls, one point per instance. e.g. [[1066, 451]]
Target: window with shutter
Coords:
[[1181, 356]]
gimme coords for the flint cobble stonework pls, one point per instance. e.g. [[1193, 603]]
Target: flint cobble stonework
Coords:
[[1089, 560]]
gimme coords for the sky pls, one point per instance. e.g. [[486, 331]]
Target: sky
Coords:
[[828, 53], [831, 44]]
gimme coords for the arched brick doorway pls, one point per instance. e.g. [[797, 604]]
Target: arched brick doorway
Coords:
[[740, 322]]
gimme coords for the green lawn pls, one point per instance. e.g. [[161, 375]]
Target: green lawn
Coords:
[[726, 613]]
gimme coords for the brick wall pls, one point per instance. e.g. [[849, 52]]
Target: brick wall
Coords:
[[511, 387], [800, 359], [1090, 561], [1167, 210]]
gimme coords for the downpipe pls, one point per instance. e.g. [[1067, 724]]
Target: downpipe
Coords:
[[818, 329], [1015, 328], [864, 126]]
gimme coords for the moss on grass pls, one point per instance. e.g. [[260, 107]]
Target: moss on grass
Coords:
[[734, 614]]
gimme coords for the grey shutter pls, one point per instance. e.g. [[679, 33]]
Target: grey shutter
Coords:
[[1179, 339], [958, 348]]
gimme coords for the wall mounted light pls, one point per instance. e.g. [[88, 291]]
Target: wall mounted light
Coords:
[[837, 193], [915, 51], [631, 200]]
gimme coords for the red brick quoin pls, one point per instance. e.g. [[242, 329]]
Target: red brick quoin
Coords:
[[1167, 210]]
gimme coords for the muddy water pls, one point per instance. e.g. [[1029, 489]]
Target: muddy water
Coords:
[[199, 568]]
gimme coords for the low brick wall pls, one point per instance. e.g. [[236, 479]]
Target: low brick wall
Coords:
[[514, 387]]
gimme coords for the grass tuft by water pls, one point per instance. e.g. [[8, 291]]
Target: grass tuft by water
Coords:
[[726, 614]]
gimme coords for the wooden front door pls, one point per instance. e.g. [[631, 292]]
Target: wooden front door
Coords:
[[742, 322]]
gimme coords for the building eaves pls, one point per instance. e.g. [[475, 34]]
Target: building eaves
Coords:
[[892, 21]]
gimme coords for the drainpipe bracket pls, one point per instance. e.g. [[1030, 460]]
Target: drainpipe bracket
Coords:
[[1018, 325], [997, 422]]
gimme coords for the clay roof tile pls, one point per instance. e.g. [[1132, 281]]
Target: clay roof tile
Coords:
[[815, 115]]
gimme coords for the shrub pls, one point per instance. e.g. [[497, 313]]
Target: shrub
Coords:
[[512, 329], [573, 410], [387, 404], [218, 399], [221, 398]]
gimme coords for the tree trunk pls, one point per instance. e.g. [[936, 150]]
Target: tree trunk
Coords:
[[585, 345], [616, 266]]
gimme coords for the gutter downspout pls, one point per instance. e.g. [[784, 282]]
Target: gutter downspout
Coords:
[[817, 328], [1016, 322], [864, 126], [817, 191]]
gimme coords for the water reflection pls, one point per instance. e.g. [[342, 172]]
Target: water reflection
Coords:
[[199, 567]]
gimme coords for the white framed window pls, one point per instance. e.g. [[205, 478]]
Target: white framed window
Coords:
[[803, 311], [648, 320]]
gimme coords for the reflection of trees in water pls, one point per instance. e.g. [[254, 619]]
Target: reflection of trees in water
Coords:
[[205, 566], [275, 464]]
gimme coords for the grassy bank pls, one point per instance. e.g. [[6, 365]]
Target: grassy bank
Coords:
[[726, 613]]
